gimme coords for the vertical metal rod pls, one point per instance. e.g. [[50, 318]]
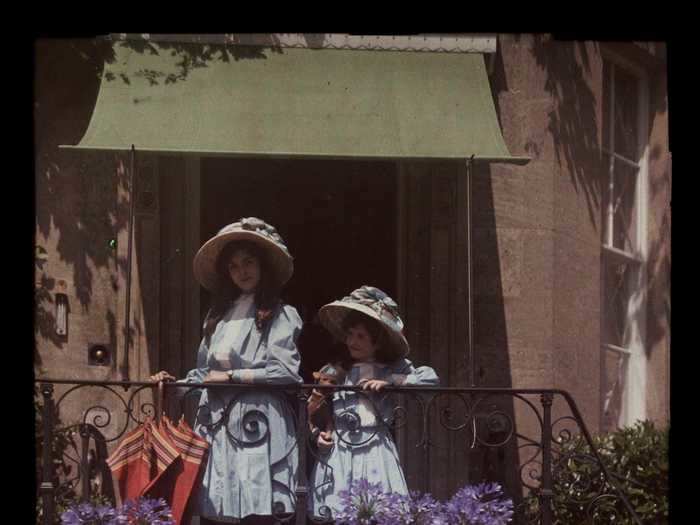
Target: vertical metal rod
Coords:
[[610, 211], [127, 320], [426, 477], [84, 463], [546, 488], [302, 435], [47, 489], [611, 168], [160, 397], [470, 280]]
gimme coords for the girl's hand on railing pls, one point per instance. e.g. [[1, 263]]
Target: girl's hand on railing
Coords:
[[373, 384], [217, 376], [162, 376], [324, 441]]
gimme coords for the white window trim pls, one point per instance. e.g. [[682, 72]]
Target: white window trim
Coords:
[[617, 349], [622, 159], [634, 407], [622, 256]]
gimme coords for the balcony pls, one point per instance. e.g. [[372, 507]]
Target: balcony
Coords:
[[446, 436]]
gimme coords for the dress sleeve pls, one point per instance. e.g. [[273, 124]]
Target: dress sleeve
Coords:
[[404, 373], [282, 366]]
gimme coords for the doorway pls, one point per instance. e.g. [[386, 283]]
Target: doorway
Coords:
[[396, 225], [337, 217]]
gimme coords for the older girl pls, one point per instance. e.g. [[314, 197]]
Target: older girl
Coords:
[[249, 337]]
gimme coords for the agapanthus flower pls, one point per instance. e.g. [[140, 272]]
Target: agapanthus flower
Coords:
[[105, 513], [363, 503], [482, 504], [71, 517], [145, 511], [78, 513], [415, 508]]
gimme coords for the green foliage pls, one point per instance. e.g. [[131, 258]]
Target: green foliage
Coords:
[[637, 459]]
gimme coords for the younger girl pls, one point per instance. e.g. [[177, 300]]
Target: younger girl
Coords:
[[249, 337], [360, 444]]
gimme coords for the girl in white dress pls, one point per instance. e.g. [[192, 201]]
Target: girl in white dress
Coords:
[[249, 337], [360, 445]]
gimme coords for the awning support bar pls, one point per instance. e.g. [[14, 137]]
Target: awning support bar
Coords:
[[470, 294], [127, 320]]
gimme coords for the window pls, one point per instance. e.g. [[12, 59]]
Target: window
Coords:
[[623, 272]]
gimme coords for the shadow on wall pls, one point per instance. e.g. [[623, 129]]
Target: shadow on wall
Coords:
[[487, 461], [76, 192], [44, 316], [573, 122], [659, 268], [71, 198], [492, 357], [574, 126]]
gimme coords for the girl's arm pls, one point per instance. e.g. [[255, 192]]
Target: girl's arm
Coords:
[[404, 373], [283, 359]]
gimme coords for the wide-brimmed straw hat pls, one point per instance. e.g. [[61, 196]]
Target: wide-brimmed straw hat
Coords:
[[246, 229], [374, 303]]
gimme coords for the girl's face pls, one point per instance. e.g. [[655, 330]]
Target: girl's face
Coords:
[[244, 269], [360, 343]]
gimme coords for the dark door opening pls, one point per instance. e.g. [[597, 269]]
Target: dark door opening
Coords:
[[338, 218]]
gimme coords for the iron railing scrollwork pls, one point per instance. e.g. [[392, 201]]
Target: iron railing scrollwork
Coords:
[[485, 419]]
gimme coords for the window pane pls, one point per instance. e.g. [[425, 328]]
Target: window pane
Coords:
[[618, 280], [624, 210], [615, 372], [626, 104]]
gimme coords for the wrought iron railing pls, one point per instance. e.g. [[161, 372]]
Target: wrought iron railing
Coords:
[[548, 420]]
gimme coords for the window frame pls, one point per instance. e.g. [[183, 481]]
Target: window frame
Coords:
[[633, 394]]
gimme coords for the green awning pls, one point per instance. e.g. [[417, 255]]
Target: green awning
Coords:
[[298, 103]]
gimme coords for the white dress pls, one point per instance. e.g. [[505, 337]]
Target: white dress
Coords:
[[363, 446], [253, 458]]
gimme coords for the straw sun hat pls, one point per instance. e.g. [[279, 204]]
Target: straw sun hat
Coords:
[[374, 303], [246, 229]]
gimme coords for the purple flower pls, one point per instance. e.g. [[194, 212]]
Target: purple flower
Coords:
[[79, 513], [105, 513], [145, 511], [482, 504], [363, 503], [86, 510], [71, 517], [416, 508]]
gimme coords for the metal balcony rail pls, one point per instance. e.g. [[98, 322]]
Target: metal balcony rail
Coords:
[[548, 423]]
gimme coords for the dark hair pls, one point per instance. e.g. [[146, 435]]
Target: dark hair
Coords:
[[266, 294], [377, 334]]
